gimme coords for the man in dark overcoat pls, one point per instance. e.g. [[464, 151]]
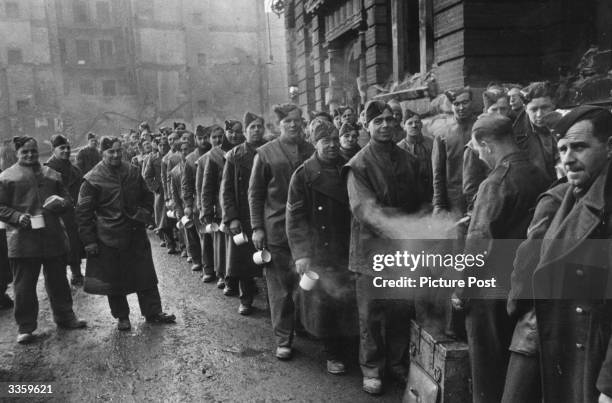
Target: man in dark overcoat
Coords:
[[113, 208], [211, 201], [24, 188], [572, 283], [318, 229], [420, 146], [380, 178], [189, 195], [71, 178], [217, 135], [273, 166], [235, 208]]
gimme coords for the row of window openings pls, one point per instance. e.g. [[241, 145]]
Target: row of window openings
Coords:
[[79, 10], [109, 87], [83, 50], [144, 9]]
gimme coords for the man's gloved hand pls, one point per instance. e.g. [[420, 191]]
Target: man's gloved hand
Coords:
[[24, 221]]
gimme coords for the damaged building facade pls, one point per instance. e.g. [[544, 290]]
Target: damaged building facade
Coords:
[[73, 66], [344, 52]]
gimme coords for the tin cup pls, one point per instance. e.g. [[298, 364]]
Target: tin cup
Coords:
[[170, 214], [37, 221], [212, 227], [2, 225], [262, 257], [222, 228], [187, 222], [309, 280], [240, 239]]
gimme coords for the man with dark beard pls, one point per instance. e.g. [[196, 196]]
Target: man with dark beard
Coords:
[[71, 178], [268, 189], [35, 238], [216, 134], [235, 207], [189, 194], [211, 202], [113, 208]]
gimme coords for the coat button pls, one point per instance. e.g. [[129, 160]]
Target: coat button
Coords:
[[323, 227], [326, 243], [580, 346], [579, 272], [579, 310], [320, 208]]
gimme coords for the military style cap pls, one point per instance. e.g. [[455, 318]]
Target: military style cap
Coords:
[[574, 116]]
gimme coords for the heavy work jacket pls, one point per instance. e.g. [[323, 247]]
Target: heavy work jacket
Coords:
[[176, 176], [211, 183], [572, 287], [109, 197], [152, 173], [273, 166], [168, 162], [318, 214], [23, 190], [235, 184], [447, 165], [421, 149], [87, 158], [382, 183], [502, 212], [188, 181]]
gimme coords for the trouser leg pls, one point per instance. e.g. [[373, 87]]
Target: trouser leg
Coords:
[[371, 320], [58, 289], [523, 379], [5, 267], [333, 348], [489, 330], [149, 301], [75, 269], [193, 244], [247, 290], [219, 253], [397, 334], [208, 254], [282, 280], [25, 277], [120, 309]]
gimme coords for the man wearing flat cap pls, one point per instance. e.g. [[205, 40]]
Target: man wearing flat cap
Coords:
[[35, 237], [447, 155], [500, 217], [572, 286], [72, 179], [380, 178], [273, 166], [88, 156]]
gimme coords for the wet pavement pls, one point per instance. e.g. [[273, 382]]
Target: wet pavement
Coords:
[[212, 353]]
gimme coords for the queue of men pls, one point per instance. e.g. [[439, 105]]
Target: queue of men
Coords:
[[529, 185]]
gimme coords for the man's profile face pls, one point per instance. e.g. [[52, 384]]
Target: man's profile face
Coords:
[[538, 108], [582, 154], [516, 102], [484, 152], [462, 106], [382, 127]]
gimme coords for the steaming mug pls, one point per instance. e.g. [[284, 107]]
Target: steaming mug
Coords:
[[240, 239], [309, 280], [37, 221], [262, 257], [212, 227], [186, 222]]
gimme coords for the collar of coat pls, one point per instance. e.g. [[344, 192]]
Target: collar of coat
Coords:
[[103, 173], [575, 221], [325, 180]]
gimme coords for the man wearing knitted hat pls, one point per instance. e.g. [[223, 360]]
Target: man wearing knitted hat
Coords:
[[318, 229], [235, 208], [501, 216], [268, 188], [572, 289], [35, 238], [88, 156], [72, 179], [447, 155], [380, 178]]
